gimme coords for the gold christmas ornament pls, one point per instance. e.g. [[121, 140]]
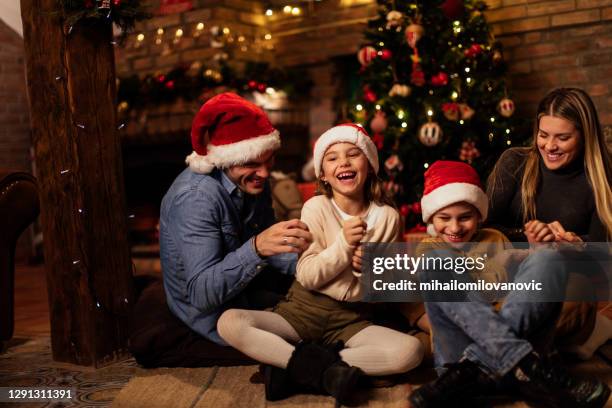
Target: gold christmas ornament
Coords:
[[400, 90]]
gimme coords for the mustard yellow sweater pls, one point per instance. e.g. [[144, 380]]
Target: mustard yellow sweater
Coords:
[[326, 266]]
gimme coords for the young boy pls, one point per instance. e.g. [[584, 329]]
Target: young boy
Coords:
[[475, 347]]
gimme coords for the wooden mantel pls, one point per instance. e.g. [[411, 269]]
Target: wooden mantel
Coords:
[[71, 86]]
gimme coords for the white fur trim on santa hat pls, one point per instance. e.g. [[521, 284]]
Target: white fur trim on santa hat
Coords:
[[453, 193], [349, 134], [233, 154]]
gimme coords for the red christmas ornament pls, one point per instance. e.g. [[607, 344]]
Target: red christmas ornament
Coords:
[[365, 55], [468, 151], [169, 84], [452, 9], [379, 123], [451, 110], [405, 209], [116, 3], [417, 76], [473, 51], [161, 78], [369, 96], [413, 33], [440, 80], [252, 84], [261, 87], [385, 54], [416, 207], [379, 140]]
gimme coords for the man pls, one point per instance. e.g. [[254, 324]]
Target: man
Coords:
[[219, 245]]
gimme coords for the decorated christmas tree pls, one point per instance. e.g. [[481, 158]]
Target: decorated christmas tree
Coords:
[[433, 88]]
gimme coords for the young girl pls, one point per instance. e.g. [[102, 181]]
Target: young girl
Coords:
[[476, 347], [322, 310]]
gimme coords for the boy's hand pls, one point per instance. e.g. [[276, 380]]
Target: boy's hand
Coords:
[[354, 230]]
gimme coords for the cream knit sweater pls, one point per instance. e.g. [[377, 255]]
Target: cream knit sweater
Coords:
[[326, 266]]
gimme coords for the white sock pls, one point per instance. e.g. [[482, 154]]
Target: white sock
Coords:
[[602, 332]]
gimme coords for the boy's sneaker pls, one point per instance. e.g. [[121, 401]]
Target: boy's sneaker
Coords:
[[552, 385], [455, 387]]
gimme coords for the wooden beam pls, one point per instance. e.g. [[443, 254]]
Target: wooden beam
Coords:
[[71, 86]]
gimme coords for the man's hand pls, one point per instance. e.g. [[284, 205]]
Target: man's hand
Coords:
[[538, 231], [354, 230], [357, 259], [287, 236]]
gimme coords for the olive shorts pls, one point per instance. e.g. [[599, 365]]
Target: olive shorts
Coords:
[[316, 316]]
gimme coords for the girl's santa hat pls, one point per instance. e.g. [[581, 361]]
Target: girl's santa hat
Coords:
[[229, 131], [452, 182], [347, 133]]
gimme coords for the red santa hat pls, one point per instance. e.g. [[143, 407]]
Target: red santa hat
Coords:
[[348, 133], [228, 131], [452, 182]]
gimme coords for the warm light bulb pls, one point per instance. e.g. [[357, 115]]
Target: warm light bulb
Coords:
[[160, 31], [508, 142], [226, 30], [377, 107], [400, 114], [468, 80], [270, 91], [461, 122], [426, 165], [467, 69], [296, 11], [404, 125], [492, 119], [359, 107], [429, 112], [140, 37], [269, 12], [200, 26], [268, 36], [287, 9], [508, 131], [179, 33], [241, 38], [454, 95]]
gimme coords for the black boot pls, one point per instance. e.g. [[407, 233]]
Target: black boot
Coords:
[[319, 369], [277, 383], [542, 382], [454, 388]]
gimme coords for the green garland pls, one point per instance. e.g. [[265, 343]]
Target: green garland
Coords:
[[124, 13]]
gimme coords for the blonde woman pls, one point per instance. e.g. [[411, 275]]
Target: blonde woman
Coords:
[[558, 189]]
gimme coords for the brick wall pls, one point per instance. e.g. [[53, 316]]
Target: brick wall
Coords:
[[551, 43], [14, 111]]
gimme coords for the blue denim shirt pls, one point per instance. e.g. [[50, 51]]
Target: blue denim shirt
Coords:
[[207, 256]]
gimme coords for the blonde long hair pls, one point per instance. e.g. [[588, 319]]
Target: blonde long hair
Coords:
[[576, 106]]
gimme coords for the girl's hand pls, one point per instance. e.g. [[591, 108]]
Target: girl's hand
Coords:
[[354, 230], [357, 259], [538, 231], [561, 235]]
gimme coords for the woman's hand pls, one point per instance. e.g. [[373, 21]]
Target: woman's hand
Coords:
[[354, 230], [538, 231], [561, 235]]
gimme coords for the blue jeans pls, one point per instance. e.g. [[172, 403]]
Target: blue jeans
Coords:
[[497, 341]]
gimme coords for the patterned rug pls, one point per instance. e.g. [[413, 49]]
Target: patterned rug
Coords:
[[27, 362]]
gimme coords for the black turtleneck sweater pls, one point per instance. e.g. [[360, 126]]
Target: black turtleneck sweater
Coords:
[[563, 195]]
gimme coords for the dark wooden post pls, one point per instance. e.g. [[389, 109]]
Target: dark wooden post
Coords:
[[71, 86]]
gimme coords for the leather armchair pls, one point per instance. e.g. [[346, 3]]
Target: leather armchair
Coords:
[[19, 207]]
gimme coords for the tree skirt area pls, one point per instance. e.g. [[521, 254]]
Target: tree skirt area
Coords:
[[28, 362]]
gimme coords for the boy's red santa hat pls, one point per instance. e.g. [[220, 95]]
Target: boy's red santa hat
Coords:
[[452, 182], [347, 133], [229, 131]]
